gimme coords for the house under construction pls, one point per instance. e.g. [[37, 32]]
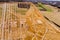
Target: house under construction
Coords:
[[25, 22]]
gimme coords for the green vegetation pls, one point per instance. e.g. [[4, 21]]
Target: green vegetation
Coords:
[[37, 5], [42, 6]]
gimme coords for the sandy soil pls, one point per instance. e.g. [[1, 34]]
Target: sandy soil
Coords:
[[53, 16]]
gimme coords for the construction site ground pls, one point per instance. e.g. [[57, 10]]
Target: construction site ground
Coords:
[[26, 24]]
